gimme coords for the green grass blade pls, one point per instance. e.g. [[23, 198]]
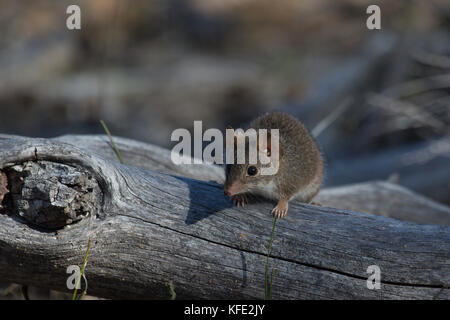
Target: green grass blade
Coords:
[[267, 294], [173, 295], [83, 267], [112, 141]]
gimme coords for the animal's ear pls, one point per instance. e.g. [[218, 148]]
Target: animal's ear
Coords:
[[225, 140], [235, 134], [265, 146], [269, 144], [238, 132]]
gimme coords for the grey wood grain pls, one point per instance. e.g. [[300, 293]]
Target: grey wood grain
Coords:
[[375, 197], [148, 228]]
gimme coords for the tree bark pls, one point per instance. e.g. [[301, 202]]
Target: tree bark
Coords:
[[148, 228]]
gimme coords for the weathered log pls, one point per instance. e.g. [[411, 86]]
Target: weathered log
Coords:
[[422, 167], [376, 197], [385, 199], [148, 228]]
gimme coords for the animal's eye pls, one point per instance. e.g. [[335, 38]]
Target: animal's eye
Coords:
[[252, 170]]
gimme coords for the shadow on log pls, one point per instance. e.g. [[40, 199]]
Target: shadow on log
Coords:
[[148, 228]]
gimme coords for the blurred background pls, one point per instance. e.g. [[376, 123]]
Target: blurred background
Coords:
[[377, 100]]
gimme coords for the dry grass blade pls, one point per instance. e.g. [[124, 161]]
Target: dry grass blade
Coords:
[[417, 86], [112, 141], [408, 109]]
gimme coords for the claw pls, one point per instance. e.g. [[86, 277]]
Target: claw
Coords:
[[240, 200], [281, 209]]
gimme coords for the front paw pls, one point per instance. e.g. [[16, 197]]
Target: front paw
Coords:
[[239, 200], [280, 210]]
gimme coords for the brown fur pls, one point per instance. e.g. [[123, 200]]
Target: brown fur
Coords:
[[301, 166]]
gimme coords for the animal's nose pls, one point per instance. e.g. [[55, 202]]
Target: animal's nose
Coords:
[[227, 193]]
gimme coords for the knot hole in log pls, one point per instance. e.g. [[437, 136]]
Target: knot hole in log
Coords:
[[49, 195]]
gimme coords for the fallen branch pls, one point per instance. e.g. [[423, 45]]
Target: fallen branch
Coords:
[[150, 228], [376, 197]]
